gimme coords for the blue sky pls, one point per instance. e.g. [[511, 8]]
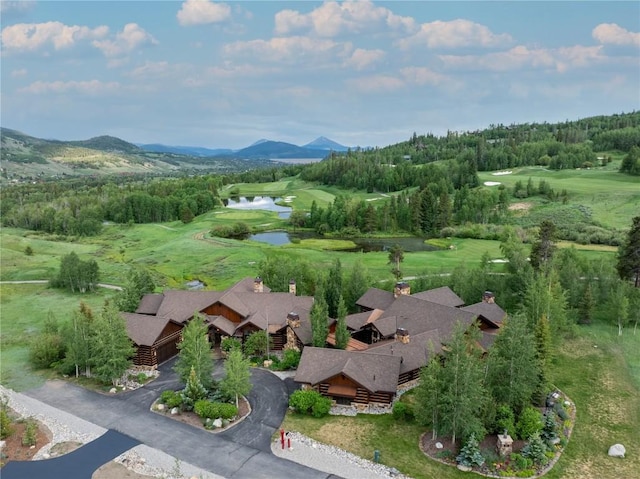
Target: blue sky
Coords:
[[225, 74]]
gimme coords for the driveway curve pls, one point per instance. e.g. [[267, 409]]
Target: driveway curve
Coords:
[[241, 452]]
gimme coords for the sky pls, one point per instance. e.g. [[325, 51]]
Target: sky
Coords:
[[363, 73]]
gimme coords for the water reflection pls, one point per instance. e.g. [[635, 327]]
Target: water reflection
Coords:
[[258, 203], [364, 245]]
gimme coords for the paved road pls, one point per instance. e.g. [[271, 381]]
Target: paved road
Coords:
[[242, 451], [78, 464]]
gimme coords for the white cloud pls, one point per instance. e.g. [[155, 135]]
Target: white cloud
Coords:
[[454, 34], [19, 73], [613, 34], [332, 19], [520, 57], [289, 49], [16, 6], [361, 58], [91, 87], [202, 12], [131, 37], [34, 36], [423, 76]]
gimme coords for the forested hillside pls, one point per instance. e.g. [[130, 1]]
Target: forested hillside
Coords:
[[430, 185]]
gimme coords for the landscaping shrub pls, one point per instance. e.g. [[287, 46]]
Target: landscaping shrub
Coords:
[[560, 411], [536, 450], [46, 349], [402, 411], [470, 453], [321, 407], [310, 402], [30, 432], [213, 410], [290, 359], [505, 419], [530, 422], [6, 429], [193, 391], [171, 398], [229, 343], [550, 428], [520, 462]]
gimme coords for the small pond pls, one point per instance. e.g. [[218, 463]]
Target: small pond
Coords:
[[365, 245], [258, 203]]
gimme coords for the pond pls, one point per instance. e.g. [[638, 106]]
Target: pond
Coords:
[[259, 203], [364, 245]]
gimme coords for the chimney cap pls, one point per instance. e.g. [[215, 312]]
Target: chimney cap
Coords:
[[258, 279], [402, 284], [402, 332], [292, 281], [293, 316]]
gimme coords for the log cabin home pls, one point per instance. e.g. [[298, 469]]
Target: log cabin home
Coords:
[[248, 306], [394, 335]]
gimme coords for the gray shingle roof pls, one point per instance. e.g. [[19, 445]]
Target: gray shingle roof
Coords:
[[375, 298], [443, 295], [415, 354], [144, 329], [489, 311], [374, 372], [150, 303], [418, 316]]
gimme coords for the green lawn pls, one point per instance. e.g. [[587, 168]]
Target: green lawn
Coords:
[[612, 197], [23, 310], [598, 370]]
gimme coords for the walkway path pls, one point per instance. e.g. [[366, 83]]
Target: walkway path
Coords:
[[45, 281]]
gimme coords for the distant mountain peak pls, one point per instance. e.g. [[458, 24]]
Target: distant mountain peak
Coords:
[[260, 141], [324, 143]]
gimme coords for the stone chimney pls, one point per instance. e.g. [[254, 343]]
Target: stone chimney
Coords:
[[402, 335], [488, 297], [292, 286], [293, 320], [401, 288], [258, 285]]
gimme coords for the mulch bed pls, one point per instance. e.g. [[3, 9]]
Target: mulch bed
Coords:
[[13, 449], [191, 418]]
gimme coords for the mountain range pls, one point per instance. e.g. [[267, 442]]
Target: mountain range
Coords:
[[261, 149]]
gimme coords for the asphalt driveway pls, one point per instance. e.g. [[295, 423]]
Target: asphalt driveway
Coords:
[[242, 451]]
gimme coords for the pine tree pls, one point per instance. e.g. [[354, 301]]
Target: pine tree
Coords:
[[333, 288], [139, 282], [112, 348], [542, 335], [629, 255], [319, 320], [535, 450], [587, 304], [195, 351], [470, 453], [342, 333], [513, 369], [237, 381], [396, 256], [356, 284], [542, 250], [193, 391]]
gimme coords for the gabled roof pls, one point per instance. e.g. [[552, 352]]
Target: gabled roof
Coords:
[[418, 316], [223, 324], [357, 320], [374, 372], [246, 286], [488, 311], [443, 295], [150, 303], [143, 329], [232, 301], [414, 354], [487, 339], [375, 298], [180, 306]]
